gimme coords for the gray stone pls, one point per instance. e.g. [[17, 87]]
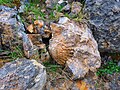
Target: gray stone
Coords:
[[119, 63], [30, 50], [51, 3], [104, 19], [22, 74], [114, 81], [9, 28], [12, 33], [76, 8], [73, 44]]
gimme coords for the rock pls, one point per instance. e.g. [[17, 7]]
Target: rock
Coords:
[[76, 7], [62, 82], [9, 28], [21, 8], [114, 81], [37, 41], [51, 3], [22, 74], [67, 7], [119, 63], [73, 44], [104, 19], [30, 50], [12, 33]]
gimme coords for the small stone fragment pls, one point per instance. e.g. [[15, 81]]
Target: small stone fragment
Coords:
[[30, 28], [76, 7], [40, 23]]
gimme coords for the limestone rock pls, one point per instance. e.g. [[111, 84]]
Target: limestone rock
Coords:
[[9, 28], [104, 19], [73, 44], [30, 50], [22, 74]]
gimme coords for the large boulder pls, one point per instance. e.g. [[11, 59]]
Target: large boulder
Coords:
[[73, 44], [22, 74], [104, 19]]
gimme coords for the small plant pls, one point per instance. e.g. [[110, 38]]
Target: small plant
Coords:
[[34, 10], [17, 53], [6, 2], [110, 68], [51, 67], [59, 8]]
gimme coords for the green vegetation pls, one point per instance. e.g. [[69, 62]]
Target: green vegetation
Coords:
[[34, 9], [17, 53], [110, 68], [6, 2], [51, 67]]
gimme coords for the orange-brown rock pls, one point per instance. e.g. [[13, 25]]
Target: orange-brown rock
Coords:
[[36, 40], [73, 44]]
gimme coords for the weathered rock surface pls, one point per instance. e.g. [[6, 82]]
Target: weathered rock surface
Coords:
[[73, 44], [12, 33], [114, 81], [60, 80], [104, 17], [76, 7], [22, 74], [9, 27]]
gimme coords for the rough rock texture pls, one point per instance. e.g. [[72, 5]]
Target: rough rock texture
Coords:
[[76, 7], [22, 74], [9, 27], [60, 80], [114, 81], [30, 50], [12, 33], [104, 17], [74, 45]]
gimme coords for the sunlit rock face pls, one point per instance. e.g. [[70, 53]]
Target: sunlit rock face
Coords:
[[104, 19], [22, 74], [72, 44]]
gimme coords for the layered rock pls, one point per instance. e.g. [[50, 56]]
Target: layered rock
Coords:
[[22, 74], [73, 44], [104, 17]]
